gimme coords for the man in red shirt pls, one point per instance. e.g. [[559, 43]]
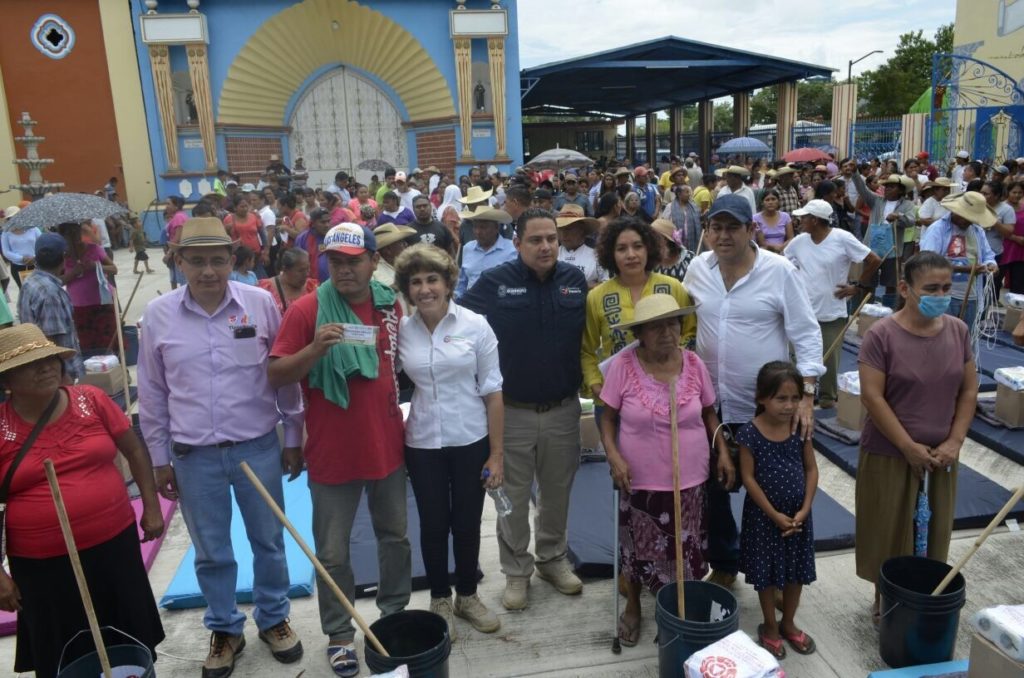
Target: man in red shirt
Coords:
[[341, 344]]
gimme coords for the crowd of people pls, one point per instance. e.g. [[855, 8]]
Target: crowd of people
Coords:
[[491, 304]]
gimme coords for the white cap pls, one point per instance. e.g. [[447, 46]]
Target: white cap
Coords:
[[963, 155], [400, 176], [248, 188], [815, 208]]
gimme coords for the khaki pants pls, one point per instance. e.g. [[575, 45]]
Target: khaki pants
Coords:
[[544, 446], [829, 332]]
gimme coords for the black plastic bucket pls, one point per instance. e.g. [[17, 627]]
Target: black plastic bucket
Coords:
[[917, 627], [679, 638], [416, 638], [125, 660]]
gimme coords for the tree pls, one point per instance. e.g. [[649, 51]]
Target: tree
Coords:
[[813, 102], [894, 86]]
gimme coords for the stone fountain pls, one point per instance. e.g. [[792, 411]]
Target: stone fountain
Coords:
[[35, 188]]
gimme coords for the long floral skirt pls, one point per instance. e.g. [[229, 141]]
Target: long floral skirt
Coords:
[[647, 547]]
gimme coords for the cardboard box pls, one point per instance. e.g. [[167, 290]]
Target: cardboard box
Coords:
[[1009, 406], [864, 322], [849, 411], [589, 436], [988, 662], [1011, 318], [109, 382]]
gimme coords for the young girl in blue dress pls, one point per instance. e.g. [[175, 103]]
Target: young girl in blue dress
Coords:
[[780, 475]]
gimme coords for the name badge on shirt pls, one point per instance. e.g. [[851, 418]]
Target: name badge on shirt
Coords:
[[359, 335]]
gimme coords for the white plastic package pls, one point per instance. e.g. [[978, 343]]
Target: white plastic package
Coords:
[[1004, 626], [736, 656], [849, 382], [1014, 300], [1011, 377], [401, 672], [101, 363], [876, 310]]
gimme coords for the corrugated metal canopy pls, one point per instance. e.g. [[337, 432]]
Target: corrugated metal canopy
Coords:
[[653, 76]]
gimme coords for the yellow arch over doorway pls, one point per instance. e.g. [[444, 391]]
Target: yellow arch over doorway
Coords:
[[297, 41]]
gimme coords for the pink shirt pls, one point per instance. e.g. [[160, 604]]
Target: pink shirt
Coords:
[[85, 289], [645, 429], [175, 223]]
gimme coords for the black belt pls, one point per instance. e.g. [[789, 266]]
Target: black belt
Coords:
[[536, 407], [185, 448]]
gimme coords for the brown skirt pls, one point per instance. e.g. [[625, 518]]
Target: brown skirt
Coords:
[[886, 501]]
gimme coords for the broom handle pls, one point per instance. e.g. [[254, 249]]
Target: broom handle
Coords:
[[131, 297], [967, 294], [677, 502], [980, 540], [320, 570], [120, 351], [76, 566], [842, 335]]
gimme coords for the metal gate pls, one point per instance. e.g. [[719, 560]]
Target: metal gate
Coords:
[[975, 107]]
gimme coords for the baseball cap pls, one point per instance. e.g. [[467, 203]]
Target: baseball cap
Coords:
[[400, 176], [50, 246], [1001, 169], [923, 155], [736, 206], [963, 155], [815, 208], [348, 238]]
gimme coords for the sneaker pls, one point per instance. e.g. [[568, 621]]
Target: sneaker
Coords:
[[442, 607], [561, 577], [514, 597], [723, 579], [284, 644], [224, 649], [472, 609]]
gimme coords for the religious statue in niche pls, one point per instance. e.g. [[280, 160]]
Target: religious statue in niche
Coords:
[[478, 94], [193, 114]]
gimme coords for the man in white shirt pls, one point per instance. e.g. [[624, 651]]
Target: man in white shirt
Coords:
[[404, 191], [487, 249], [573, 227], [823, 255], [734, 176], [933, 192], [957, 175], [752, 306], [340, 186]]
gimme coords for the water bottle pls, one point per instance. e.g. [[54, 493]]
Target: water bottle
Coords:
[[501, 501]]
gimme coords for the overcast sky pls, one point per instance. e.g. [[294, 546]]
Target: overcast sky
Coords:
[[823, 33]]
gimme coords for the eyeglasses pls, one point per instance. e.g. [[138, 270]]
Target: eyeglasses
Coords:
[[213, 262]]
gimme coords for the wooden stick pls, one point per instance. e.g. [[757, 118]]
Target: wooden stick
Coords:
[[897, 247], [76, 566], [839, 340], [677, 502], [980, 540], [120, 351], [967, 294], [325, 577], [131, 297]]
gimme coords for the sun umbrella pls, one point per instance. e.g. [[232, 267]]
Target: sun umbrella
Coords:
[[744, 145], [922, 516], [62, 208], [805, 155], [557, 158], [375, 165]]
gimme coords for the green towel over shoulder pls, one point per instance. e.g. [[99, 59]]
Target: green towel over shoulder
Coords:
[[330, 374]]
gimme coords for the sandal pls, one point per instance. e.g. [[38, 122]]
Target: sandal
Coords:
[[776, 647], [629, 634], [801, 643], [343, 660]]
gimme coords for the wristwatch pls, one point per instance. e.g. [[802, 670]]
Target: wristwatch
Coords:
[[809, 389]]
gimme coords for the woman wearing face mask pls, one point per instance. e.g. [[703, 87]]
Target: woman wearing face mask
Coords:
[[919, 386]]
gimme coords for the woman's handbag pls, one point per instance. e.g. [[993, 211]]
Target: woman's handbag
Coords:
[[25, 447]]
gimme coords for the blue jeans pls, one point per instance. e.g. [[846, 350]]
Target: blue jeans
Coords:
[[206, 477], [972, 308]]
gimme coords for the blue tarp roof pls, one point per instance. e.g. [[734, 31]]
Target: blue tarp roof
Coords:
[[653, 76]]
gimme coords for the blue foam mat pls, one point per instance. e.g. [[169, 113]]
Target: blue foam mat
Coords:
[[941, 670], [183, 591], [1001, 440], [978, 499], [848, 363], [592, 545]]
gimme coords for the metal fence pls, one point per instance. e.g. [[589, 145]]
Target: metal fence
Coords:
[[812, 137], [875, 139]]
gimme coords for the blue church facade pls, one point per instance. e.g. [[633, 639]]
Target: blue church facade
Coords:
[[344, 85]]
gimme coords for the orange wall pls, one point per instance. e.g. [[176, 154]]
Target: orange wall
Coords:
[[69, 97]]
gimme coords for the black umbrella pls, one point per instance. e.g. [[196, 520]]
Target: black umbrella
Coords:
[[375, 165], [62, 208]]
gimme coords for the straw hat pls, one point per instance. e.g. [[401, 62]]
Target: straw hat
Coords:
[[389, 234], [940, 182], [972, 207], [782, 171], [665, 228], [622, 172], [485, 213], [475, 194], [11, 211], [26, 343], [204, 232], [655, 307], [573, 214], [732, 169], [903, 179]]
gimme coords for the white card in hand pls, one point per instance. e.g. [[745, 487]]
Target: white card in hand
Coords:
[[360, 335]]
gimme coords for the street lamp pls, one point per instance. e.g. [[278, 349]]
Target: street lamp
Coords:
[[849, 72]]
